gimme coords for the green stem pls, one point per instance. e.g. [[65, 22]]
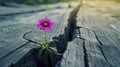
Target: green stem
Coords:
[[46, 45], [45, 36]]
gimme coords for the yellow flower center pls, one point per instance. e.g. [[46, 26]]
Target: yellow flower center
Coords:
[[45, 24]]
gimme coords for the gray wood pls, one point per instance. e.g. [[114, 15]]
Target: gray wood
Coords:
[[16, 56], [104, 42], [73, 56], [22, 9], [110, 50], [21, 24], [94, 55]]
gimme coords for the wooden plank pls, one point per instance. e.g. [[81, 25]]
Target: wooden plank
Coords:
[[13, 49], [110, 50], [23, 9], [16, 56], [60, 24], [11, 39], [95, 57], [108, 38], [73, 56]]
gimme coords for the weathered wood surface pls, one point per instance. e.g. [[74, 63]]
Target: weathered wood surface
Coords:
[[100, 33], [102, 38], [12, 45], [12, 8], [94, 35], [74, 55]]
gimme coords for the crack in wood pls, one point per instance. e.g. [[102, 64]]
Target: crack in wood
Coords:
[[29, 40], [84, 48], [85, 54], [72, 22], [70, 29], [97, 37], [101, 48]]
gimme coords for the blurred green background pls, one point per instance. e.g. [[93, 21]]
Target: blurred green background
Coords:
[[34, 2]]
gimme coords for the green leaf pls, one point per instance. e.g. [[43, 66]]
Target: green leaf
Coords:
[[41, 39], [40, 50], [56, 40], [53, 48], [40, 47]]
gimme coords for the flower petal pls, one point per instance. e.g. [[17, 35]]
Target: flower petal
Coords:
[[43, 27]]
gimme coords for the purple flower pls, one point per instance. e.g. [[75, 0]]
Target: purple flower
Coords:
[[45, 24]]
